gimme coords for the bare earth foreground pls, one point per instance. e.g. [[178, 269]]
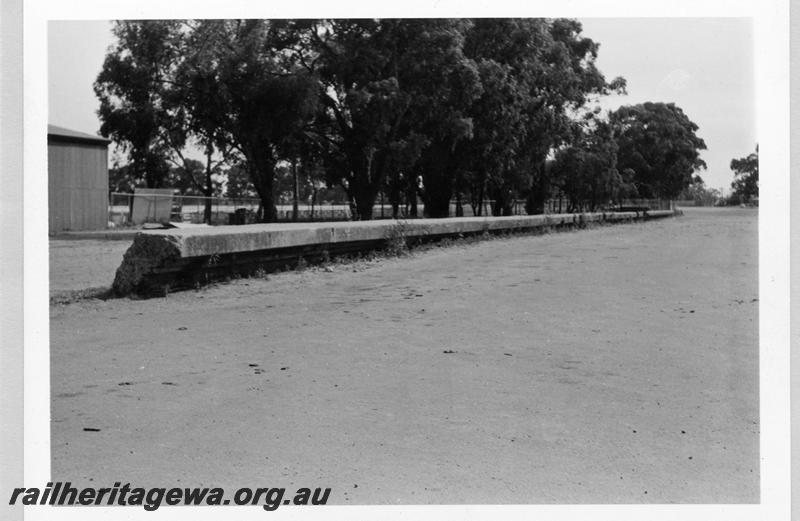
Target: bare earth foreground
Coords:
[[617, 364]]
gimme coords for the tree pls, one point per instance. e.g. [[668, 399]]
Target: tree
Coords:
[[566, 82], [440, 113], [132, 88], [144, 106], [659, 143], [377, 78], [238, 184], [414, 108], [536, 74], [188, 101], [745, 180], [488, 158], [120, 176], [698, 192], [243, 81], [586, 170], [190, 178]]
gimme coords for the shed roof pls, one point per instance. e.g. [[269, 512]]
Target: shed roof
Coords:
[[64, 134]]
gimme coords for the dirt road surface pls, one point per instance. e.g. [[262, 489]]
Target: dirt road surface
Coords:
[[613, 365]]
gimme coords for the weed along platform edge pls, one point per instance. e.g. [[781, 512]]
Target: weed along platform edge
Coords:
[[161, 260]]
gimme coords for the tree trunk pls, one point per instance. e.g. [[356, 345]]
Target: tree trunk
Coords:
[[459, 208], [394, 194], [475, 203], [295, 192], [363, 185], [437, 205], [437, 193], [360, 197], [412, 197], [364, 199], [208, 190], [502, 200], [539, 191], [437, 177], [269, 211], [537, 197], [262, 179], [496, 207]]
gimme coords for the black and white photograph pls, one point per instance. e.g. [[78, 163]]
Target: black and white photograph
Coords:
[[303, 263]]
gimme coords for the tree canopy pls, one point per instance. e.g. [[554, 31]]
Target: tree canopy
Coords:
[[659, 143], [586, 171], [133, 89], [410, 108], [387, 89], [536, 73], [745, 180], [238, 81]]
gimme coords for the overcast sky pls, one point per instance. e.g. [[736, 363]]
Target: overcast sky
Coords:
[[704, 65]]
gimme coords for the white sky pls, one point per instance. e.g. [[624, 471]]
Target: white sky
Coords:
[[704, 65]]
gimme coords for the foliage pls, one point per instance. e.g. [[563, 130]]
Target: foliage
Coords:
[[384, 90], [659, 143], [132, 88], [413, 108], [396, 237], [535, 73], [586, 170], [143, 108], [442, 120], [242, 84], [120, 176], [698, 192], [238, 184], [190, 179], [745, 181]]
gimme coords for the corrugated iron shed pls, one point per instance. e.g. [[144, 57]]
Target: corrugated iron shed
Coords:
[[64, 134], [77, 172]]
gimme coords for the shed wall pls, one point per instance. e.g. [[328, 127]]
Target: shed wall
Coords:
[[77, 186]]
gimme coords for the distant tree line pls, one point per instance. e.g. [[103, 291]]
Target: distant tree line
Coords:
[[432, 109], [745, 179], [700, 194]]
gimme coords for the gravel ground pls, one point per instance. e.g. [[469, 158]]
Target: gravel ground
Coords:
[[612, 365], [83, 264]]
